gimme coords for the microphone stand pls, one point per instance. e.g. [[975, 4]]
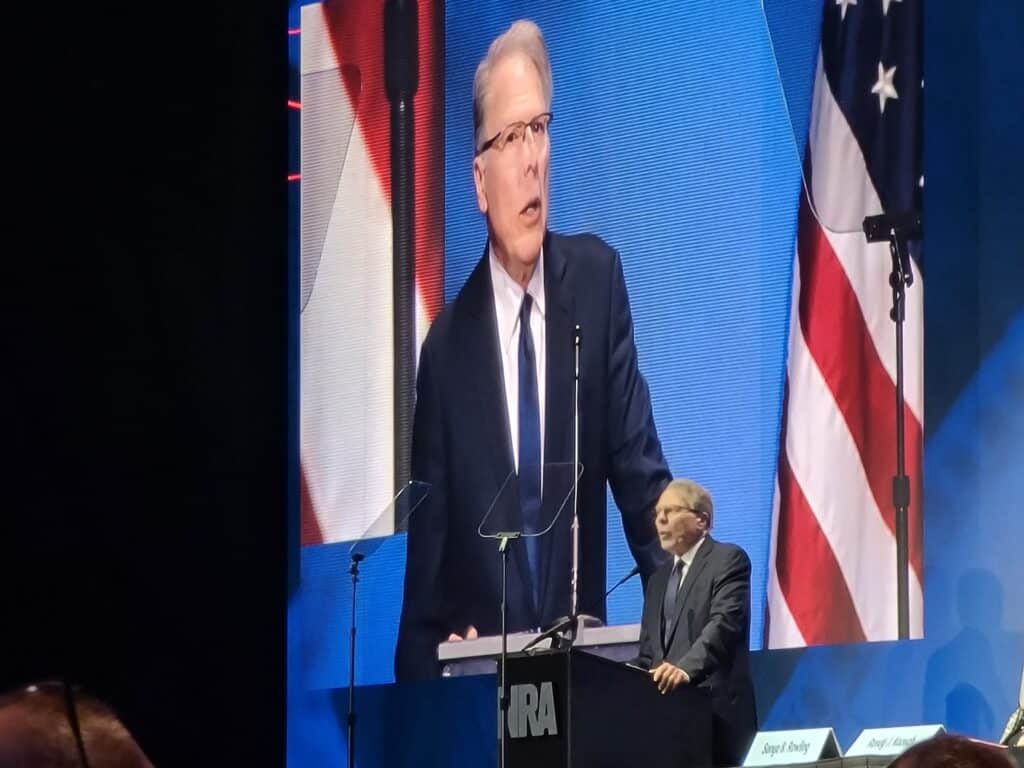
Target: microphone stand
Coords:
[[350, 720], [573, 620], [575, 578], [898, 230], [569, 625], [623, 580], [503, 540], [401, 70], [559, 626]]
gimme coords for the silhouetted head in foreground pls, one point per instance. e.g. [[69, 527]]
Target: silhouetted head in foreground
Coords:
[[949, 751], [37, 729]]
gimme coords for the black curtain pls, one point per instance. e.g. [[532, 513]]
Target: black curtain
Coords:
[[145, 537]]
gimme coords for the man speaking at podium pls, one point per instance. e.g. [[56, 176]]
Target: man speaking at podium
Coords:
[[696, 621], [495, 392]]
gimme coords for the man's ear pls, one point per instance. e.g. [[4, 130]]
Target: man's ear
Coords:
[[478, 181]]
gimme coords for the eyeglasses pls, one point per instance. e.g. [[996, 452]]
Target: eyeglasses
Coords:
[[516, 132], [673, 510]]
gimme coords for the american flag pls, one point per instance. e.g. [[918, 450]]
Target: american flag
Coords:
[[347, 405], [832, 569]]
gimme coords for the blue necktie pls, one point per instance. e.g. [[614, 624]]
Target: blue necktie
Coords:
[[668, 608], [529, 445]]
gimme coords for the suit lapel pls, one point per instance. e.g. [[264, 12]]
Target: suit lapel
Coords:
[[692, 574], [557, 421], [484, 366], [559, 363]]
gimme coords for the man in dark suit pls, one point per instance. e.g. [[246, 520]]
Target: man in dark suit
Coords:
[[696, 619], [495, 395]]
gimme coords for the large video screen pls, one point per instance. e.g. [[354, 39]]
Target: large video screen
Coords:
[[689, 138]]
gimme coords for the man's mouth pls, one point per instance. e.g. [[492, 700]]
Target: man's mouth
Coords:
[[532, 208]]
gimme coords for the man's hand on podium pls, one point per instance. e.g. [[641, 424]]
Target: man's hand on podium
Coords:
[[668, 677], [469, 634]]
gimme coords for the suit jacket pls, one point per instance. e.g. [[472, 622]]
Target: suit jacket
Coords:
[[709, 640], [462, 447]]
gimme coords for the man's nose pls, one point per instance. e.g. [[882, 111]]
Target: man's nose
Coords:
[[531, 149], [530, 162]]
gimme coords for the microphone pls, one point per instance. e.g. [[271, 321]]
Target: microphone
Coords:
[[623, 580], [568, 622], [878, 228]]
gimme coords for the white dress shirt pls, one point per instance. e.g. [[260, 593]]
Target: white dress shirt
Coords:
[[508, 299], [687, 558]]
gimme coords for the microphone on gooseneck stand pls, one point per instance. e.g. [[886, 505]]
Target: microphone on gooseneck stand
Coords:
[[591, 621], [623, 580]]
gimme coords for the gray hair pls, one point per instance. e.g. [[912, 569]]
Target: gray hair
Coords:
[[523, 37], [696, 497]]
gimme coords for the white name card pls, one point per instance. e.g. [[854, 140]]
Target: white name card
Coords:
[[787, 747], [891, 741]]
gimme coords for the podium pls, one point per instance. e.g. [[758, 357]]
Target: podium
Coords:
[[479, 656], [572, 709]]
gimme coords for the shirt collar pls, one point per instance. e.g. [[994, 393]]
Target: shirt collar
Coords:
[[689, 555], [508, 291]]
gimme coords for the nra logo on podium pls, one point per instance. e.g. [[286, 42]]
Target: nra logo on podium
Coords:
[[531, 712]]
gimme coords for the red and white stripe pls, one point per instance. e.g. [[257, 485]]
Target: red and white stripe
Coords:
[[346, 406], [832, 566]]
